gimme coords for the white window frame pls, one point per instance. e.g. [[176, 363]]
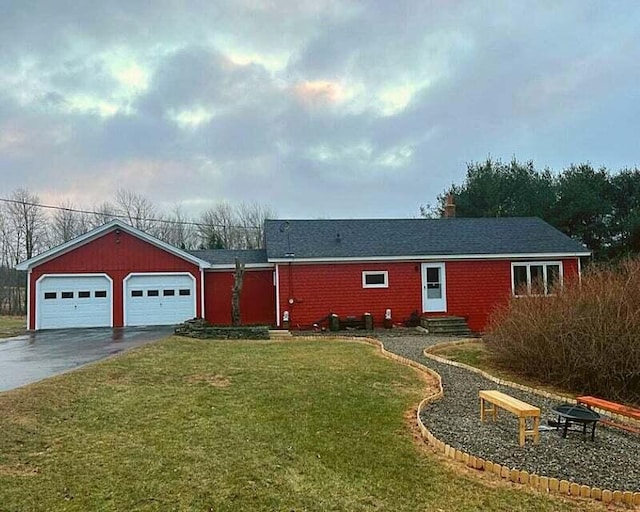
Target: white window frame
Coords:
[[366, 273], [528, 265]]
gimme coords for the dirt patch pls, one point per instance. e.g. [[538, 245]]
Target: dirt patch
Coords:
[[218, 381], [18, 470]]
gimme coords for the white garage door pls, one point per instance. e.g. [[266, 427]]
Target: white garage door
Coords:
[[159, 299], [73, 301]]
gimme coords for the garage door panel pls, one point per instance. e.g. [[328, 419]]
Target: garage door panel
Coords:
[[159, 299], [73, 301]]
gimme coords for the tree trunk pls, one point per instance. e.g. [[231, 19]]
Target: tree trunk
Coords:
[[235, 293]]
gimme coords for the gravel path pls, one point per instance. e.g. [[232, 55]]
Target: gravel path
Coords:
[[612, 461]]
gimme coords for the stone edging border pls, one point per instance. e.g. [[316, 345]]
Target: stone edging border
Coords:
[[538, 482], [429, 355]]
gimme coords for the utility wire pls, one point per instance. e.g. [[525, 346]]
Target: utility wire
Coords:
[[126, 217]]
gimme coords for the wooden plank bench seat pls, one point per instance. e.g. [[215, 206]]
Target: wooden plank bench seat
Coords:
[[605, 405], [521, 409]]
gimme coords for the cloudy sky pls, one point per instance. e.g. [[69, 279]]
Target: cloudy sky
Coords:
[[319, 108]]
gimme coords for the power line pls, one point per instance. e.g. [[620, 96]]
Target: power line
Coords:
[[109, 215]]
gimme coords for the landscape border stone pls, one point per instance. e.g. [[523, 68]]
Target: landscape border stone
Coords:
[[541, 483], [538, 482]]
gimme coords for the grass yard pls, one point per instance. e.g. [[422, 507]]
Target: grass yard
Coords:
[[12, 325], [475, 353], [194, 425]]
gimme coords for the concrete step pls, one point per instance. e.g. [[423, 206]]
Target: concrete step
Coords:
[[279, 334], [450, 325]]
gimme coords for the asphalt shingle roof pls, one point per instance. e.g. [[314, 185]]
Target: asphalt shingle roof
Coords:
[[228, 256], [365, 238]]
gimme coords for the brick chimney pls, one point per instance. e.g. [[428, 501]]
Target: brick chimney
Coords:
[[450, 207]]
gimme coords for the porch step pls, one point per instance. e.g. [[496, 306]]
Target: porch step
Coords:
[[449, 325], [275, 334]]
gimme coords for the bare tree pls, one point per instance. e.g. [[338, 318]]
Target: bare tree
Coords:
[[29, 223], [102, 213], [137, 210], [251, 217], [66, 224], [177, 229], [236, 291], [218, 228]]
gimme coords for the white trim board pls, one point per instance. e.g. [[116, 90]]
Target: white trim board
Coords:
[[247, 267]]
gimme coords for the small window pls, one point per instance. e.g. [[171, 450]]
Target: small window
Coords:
[[553, 277], [84, 295], [136, 293], [375, 279], [152, 293], [100, 294], [66, 295], [184, 291], [168, 293], [50, 295], [520, 280]]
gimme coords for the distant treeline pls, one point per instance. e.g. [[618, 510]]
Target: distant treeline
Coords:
[[598, 207], [27, 228]]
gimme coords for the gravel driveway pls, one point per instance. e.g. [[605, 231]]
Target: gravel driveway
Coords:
[[612, 461]]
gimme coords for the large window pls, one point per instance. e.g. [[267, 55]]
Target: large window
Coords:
[[536, 277], [375, 279]]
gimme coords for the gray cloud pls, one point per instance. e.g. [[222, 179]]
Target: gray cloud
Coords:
[[319, 108]]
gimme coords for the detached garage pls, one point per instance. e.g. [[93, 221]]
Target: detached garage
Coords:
[[113, 276]]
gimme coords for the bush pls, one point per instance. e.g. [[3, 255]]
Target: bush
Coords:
[[585, 338]]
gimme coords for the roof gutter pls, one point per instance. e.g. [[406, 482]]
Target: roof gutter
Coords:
[[435, 257]]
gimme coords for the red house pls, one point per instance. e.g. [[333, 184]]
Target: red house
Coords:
[[428, 267], [117, 275]]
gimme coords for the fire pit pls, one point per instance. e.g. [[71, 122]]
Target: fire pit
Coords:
[[576, 414]]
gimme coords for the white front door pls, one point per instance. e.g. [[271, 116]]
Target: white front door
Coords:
[[159, 299], [67, 301], [434, 288]]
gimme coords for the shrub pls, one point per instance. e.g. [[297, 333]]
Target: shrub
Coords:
[[585, 338]]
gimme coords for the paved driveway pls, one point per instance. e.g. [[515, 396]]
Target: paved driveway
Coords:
[[31, 357]]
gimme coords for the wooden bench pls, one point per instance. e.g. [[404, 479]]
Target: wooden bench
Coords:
[[521, 409], [622, 410]]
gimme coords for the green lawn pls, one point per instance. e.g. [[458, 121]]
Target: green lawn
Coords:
[[475, 353], [12, 325], [200, 425]]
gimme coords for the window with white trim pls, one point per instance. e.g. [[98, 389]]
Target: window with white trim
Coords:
[[375, 279], [535, 277]]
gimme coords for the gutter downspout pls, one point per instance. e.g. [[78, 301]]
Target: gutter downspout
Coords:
[[276, 277], [201, 292], [29, 300]]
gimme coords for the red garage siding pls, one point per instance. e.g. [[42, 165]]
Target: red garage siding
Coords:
[[257, 301], [116, 255], [317, 290], [474, 289]]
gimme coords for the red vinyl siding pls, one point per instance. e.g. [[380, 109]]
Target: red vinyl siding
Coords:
[[474, 290], [318, 290], [116, 255], [257, 301]]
